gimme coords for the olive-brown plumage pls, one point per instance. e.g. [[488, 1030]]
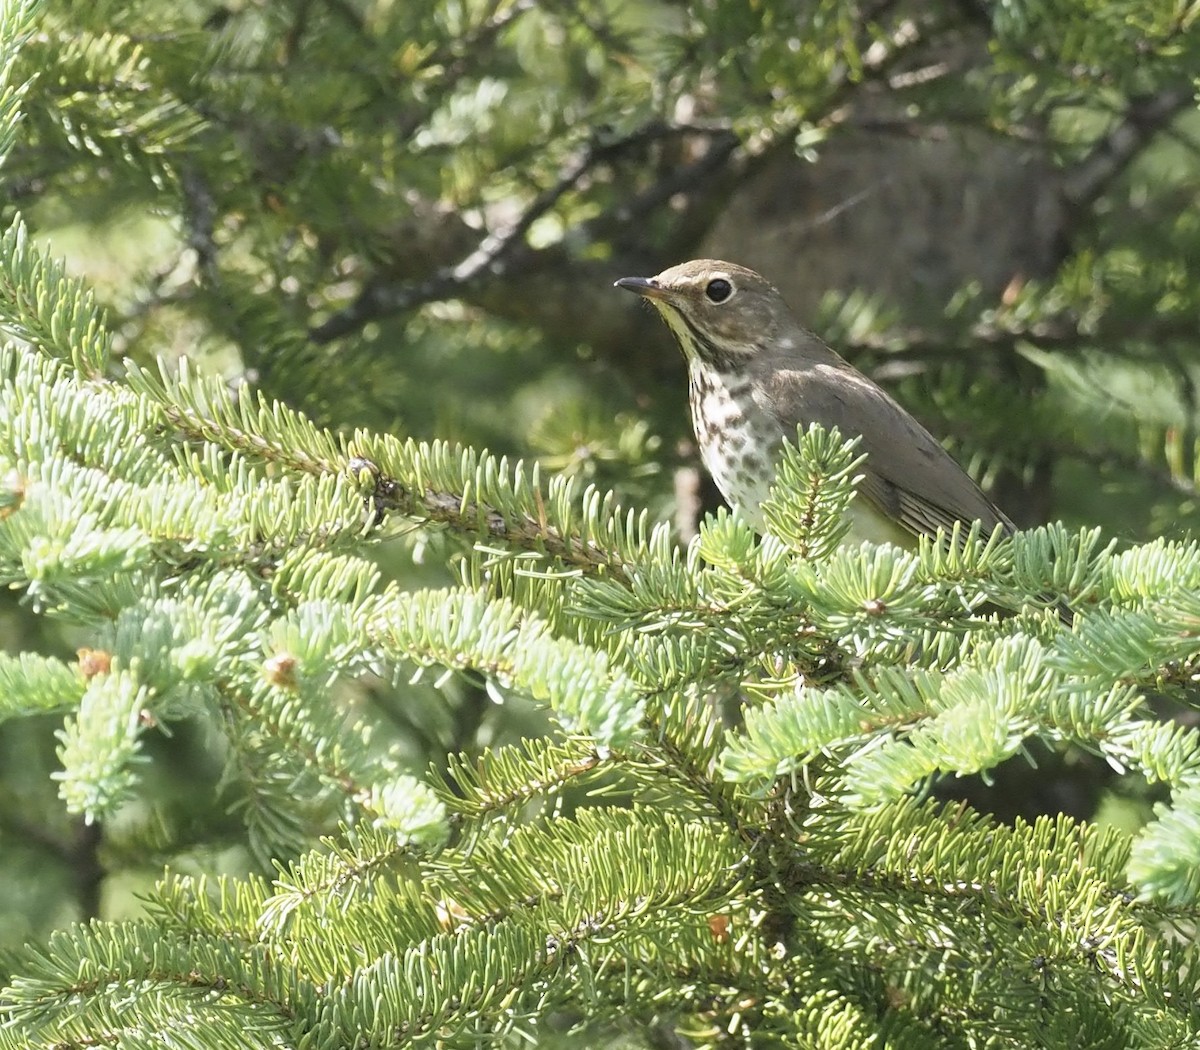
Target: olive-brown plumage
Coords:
[[756, 374]]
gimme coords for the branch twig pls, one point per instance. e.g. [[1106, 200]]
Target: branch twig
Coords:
[[1144, 118], [378, 299]]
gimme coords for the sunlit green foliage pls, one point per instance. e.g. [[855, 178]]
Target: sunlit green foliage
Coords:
[[441, 746]]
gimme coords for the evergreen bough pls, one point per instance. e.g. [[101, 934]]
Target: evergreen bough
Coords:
[[748, 871]]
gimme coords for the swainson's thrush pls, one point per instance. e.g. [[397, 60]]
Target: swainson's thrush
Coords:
[[756, 374]]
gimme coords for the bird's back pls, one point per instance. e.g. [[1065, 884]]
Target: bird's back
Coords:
[[908, 476]]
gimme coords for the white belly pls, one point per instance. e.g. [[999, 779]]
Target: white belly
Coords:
[[738, 444]]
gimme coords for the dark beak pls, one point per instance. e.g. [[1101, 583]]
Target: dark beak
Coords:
[[646, 286]]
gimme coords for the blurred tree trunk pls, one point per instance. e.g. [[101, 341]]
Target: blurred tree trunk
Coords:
[[911, 215]]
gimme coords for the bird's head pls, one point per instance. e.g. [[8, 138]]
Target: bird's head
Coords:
[[722, 314]]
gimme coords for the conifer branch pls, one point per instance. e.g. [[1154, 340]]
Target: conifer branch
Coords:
[[462, 630], [41, 304], [497, 782], [718, 830], [472, 493]]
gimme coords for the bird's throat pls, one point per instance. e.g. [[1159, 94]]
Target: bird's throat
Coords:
[[699, 346]]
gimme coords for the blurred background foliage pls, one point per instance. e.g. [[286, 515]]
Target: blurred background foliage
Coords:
[[408, 216]]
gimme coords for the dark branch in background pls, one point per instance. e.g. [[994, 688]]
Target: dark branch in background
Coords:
[[76, 847], [1143, 118], [199, 208], [907, 351], [707, 182], [379, 299], [89, 873], [714, 175], [681, 180], [293, 37]]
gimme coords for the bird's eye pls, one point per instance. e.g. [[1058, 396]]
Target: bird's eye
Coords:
[[718, 290]]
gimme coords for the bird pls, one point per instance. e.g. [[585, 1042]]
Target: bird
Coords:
[[756, 375]]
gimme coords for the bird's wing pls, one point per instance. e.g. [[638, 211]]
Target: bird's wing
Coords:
[[907, 475]]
